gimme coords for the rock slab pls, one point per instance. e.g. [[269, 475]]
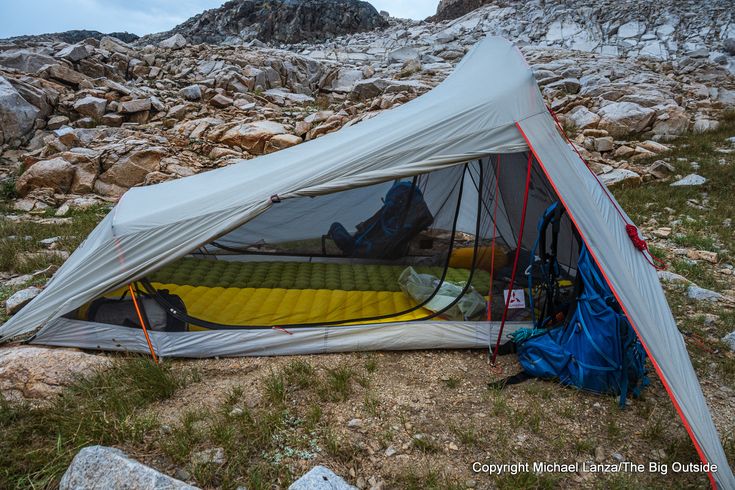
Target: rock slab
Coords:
[[38, 373], [100, 467], [17, 116], [321, 478]]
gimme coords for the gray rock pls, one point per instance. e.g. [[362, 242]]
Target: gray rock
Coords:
[[603, 144], [177, 41], [220, 101], [321, 478], [136, 105], [619, 175], [661, 169], [623, 118], [690, 180], [401, 55], [100, 467], [209, 456], [729, 339], [17, 116], [57, 122], [56, 174], [192, 92], [700, 294], [93, 107], [115, 45], [18, 300], [284, 21], [25, 60], [672, 277], [75, 52], [582, 118], [567, 85], [703, 123], [729, 45]]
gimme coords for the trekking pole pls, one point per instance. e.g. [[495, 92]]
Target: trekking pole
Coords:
[[142, 323]]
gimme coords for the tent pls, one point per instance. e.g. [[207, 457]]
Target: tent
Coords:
[[249, 246]]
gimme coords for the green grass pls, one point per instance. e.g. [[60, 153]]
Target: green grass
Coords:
[[275, 388], [264, 444], [106, 408], [695, 228], [528, 480], [699, 229], [300, 373], [338, 384], [424, 479]]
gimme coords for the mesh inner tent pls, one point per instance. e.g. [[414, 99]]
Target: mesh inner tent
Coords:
[[343, 258]]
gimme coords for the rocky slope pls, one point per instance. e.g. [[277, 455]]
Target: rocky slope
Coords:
[[662, 30], [285, 21], [101, 116], [73, 36]]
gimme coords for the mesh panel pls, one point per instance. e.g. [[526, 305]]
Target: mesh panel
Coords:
[[404, 250]]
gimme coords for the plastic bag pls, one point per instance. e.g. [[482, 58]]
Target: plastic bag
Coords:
[[421, 286]]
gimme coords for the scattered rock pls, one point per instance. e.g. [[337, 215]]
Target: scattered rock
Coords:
[[621, 119], [56, 174], [690, 180], [192, 92], [619, 175], [19, 299], [705, 255], [281, 141], [137, 105], [75, 52], [661, 169], [729, 339], [700, 294], [93, 107], [177, 41], [17, 116], [220, 101], [209, 456]]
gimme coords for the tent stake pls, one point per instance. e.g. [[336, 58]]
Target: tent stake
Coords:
[[142, 323], [517, 256]]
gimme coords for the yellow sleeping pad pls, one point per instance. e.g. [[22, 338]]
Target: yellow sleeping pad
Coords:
[[269, 307]]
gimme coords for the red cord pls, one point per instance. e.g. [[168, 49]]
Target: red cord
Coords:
[[630, 228], [517, 256]]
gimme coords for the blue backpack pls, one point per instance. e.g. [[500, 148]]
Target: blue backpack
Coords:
[[595, 348], [387, 234]]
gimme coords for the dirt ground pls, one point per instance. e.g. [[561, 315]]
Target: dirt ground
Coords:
[[421, 419]]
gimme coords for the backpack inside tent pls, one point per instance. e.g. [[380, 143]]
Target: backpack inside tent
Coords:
[[410, 230]]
